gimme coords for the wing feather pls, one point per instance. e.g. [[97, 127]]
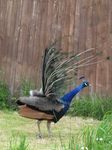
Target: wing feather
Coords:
[[42, 103]]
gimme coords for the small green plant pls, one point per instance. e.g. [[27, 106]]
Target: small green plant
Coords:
[[27, 85], [4, 94], [18, 144]]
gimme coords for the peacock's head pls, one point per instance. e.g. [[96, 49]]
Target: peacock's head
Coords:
[[85, 84]]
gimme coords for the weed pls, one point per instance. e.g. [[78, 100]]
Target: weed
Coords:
[[27, 86], [18, 145], [4, 94]]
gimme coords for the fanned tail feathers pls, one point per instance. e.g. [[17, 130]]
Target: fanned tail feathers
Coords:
[[57, 66]]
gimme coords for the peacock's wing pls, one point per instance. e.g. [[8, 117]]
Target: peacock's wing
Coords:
[[40, 103], [56, 68]]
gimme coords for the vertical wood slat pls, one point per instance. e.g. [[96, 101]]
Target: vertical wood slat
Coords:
[[28, 26], [14, 76]]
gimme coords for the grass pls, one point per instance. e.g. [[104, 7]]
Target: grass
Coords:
[[92, 137], [4, 94], [86, 107], [18, 144], [15, 129], [99, 138]]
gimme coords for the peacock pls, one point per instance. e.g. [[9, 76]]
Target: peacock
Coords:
[[57, 73]]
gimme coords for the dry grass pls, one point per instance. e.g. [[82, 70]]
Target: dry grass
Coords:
[[11, 122]]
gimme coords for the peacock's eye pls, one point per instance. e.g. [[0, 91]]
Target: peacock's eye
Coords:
[[63, 99]]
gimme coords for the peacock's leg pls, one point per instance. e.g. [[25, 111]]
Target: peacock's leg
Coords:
[[38, 124], [48, 127]]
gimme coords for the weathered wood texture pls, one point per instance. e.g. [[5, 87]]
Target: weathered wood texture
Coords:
[[27, 26]]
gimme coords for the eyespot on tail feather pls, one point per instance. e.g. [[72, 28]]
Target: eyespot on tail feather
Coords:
[[108, 57]]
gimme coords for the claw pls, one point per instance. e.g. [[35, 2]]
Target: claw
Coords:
[[40, 136]]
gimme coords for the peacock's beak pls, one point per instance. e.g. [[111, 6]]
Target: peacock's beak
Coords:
[[89, 84]]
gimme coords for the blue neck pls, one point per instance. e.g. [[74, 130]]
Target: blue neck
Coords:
[[69, 96], [66, 100]]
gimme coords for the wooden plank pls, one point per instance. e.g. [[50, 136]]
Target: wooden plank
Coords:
[[94, 41], [3, 34], [65, 33], [77, 25], [53, 22], [88, 42], [37, 43], [101, 30], [42, 28], [30, 40], [107, 43], [82, 37], [71, 36], [77, 31], [109, 37], [15, 79], [52, 6], [1, 31], [11, 30]]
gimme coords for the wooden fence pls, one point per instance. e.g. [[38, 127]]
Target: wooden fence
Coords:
[[27, 26]]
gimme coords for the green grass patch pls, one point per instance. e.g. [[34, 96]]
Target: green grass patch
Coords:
[[94, 138], [4, 93], [17, 144], [70, 133], [91, 137], [12, 126], [95, 108]]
